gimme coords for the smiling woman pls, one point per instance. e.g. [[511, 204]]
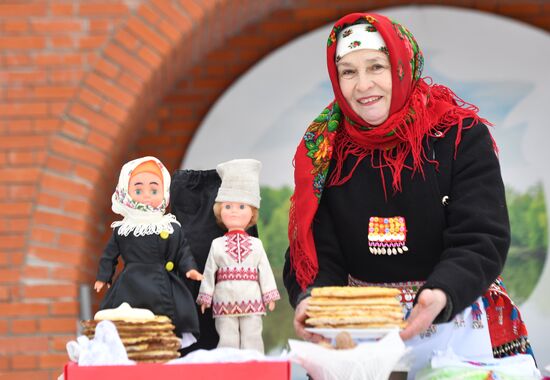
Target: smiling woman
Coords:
[[369, 213], [510, 98]]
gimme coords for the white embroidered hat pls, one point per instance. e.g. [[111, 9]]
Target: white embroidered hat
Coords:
[[240, 181], [357, 37]]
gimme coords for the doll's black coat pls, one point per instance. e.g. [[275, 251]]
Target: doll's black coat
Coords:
[[460, 247], [145, 282]]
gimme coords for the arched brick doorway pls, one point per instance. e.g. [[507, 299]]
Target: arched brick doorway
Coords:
[[154, 81]]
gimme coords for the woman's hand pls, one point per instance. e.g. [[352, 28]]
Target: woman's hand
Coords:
[[194, 275], [203, 308], [271, 306], [428, 306], [99, 285], [300, 323]]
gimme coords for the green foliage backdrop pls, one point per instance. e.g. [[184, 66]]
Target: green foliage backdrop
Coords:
[[529, 226]]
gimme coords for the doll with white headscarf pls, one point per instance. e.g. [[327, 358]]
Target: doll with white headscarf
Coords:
[[153, 247], [238, 281]]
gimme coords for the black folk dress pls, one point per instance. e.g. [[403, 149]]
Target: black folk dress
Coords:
[[153, 276]]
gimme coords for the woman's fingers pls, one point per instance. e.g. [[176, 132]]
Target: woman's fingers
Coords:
[[429, 305], [299, 322]]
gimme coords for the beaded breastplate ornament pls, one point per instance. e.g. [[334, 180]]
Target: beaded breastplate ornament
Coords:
[[387, 235]]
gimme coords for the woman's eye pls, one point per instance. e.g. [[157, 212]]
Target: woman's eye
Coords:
[[377, 67], [241, 207], [138, 191], [346, 73], [227, 207], [154, 191]]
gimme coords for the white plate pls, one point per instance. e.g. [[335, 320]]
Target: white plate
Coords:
[[366, 334]]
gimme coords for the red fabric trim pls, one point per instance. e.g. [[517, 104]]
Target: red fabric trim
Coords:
[[204, 299], [235, 308], [233, 232], [238, 246], [505, 322], [237, 274], [272, 295]]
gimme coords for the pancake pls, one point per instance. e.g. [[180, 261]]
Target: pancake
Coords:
[[354, 292], [351, 320], [351, 301], [396, 315], [354, 307], [146, 337]]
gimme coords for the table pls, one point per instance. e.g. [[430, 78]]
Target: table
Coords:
[[266, 370]]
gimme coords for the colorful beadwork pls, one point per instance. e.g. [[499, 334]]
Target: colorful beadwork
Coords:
[[477, 322], [387, 236]]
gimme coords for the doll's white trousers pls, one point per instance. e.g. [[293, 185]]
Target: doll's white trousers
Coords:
[[244, 332]]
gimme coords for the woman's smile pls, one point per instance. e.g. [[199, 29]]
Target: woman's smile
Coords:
[[366, 83]]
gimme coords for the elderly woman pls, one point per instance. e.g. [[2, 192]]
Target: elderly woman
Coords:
[[397, 184]]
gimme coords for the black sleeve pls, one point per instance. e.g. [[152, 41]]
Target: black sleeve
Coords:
[[109, 260], [477, 236], [186, 260]]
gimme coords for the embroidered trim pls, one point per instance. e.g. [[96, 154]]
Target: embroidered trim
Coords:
[[204, 299], [508, 331], [415, 285], [477, 322], [237, 274], [235, 308], [429, 332], [387, 235], [238, 246], [517, 346], [272, 295]]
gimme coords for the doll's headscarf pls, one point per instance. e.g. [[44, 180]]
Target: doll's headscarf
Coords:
[[139, 218], [418, 110]]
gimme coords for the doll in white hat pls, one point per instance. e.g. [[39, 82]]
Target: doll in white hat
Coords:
[[154, 249], [238, 281]]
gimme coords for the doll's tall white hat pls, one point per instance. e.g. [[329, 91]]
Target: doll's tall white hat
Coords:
[[240, 181]]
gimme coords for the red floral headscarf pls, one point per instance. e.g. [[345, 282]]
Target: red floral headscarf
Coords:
[[418, 110]]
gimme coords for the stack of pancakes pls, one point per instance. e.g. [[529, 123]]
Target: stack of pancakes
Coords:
[[354, 307], [146, 340]]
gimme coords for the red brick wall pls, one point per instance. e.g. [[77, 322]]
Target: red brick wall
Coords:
[[87, 85]]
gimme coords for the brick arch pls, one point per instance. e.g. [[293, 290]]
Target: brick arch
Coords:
[[101, 124], [154, 80]]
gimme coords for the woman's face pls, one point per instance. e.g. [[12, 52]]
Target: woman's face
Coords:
[[146, 188], [365, 81], [235, 215]]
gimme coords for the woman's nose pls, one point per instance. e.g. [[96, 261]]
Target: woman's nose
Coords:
[[364, 82]]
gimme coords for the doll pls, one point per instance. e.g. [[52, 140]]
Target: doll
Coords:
[[238, 281], [153, 248]]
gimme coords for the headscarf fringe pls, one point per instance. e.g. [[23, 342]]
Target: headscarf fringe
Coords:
[[308, 265], [431, 109]]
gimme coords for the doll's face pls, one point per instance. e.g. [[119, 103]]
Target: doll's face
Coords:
[[235, 215], [146, 188]]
